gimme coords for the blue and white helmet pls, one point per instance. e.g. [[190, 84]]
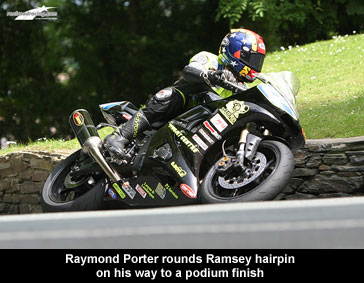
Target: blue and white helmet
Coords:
[[243, 52]]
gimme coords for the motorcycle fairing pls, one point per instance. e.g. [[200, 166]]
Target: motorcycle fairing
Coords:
[[278, 100], [180, 168], [164, 174]]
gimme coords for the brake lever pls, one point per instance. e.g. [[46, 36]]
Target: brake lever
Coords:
[[235, 86]]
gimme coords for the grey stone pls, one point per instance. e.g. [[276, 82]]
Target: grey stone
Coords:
[[348, 168], [304, 172], [30, 187], [330, 184], [314, 161], [357, 159], [335, 159]]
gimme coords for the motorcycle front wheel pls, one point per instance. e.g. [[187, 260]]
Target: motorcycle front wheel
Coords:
[[269, 172], [61, 192]]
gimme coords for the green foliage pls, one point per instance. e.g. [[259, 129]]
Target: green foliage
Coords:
[[96, 52], [234, 9], [103, 51], [331, 73], [293, 22]]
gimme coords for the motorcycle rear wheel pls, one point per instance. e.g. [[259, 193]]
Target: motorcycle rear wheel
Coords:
[[63, 193], [272, 179]]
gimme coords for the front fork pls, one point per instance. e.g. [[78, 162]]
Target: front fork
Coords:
[[247, 148], [248, 145]]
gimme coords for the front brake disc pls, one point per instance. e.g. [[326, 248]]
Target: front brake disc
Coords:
[[69, 183], [259, 163]]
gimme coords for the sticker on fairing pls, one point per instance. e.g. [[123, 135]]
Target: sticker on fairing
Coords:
[[188, 191], [129, 190], [212, 130], [219, 122], [233, 109], [119, 190], [161, 191], [200, 142], [111, 193], [206, 136], [180, 171], [169, 189], [180, 135], [140, 191], [148, 189]]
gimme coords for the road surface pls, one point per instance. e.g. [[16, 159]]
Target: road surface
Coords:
[[298, 224]]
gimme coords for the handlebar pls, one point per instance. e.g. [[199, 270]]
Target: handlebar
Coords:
[[235, 86]]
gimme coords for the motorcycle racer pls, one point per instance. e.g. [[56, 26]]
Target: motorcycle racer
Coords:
[[240, 59]]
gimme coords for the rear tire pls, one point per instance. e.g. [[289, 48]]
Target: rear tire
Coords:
[[88, 197], [265, 187]]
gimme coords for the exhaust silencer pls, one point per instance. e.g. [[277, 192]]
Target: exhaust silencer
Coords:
[[87, 135], [82, 125]]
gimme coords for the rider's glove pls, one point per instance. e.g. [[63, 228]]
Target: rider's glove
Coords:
[[218, 77]]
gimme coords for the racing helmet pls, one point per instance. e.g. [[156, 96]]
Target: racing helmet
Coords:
[[242, 51]]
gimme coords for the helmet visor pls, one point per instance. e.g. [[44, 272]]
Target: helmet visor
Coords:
[[253, 59]]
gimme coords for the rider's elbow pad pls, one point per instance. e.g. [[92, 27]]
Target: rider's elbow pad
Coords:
[[193, 75]]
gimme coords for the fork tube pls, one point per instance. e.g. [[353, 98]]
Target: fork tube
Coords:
[[242, 142]]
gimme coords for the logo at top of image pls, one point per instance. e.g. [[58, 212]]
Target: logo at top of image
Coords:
[[40, 13]]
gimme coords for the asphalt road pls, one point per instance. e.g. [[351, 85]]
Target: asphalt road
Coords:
[[320, 223]]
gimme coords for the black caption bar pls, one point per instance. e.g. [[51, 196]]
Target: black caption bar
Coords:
[[186, 265]]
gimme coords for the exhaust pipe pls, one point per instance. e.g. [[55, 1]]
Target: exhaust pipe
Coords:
[[92, 146], [86, 133]]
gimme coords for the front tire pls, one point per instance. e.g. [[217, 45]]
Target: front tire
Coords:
[[62, 193], [279, 166]]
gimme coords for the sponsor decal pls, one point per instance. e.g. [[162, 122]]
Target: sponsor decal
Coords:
[[136, 124], [233, 109], [169, 189], [178, 169], [188, 191], [218, 122], [225, 41], [140, 191], [261, 47], [212, 130], [111, 193], [78, 119], [186, 141], [245, 71], [148, 189], [129, 190], [161, 191], [200, 142], [119, 190], [127, 116], [206, 136]]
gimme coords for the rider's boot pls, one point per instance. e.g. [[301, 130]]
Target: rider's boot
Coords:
[[117, 141]]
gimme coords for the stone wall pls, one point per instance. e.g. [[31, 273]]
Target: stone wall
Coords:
[[324, 168], [328, 168], [22, 176]]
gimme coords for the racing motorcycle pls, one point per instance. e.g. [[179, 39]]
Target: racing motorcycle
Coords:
[[220, 150]]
